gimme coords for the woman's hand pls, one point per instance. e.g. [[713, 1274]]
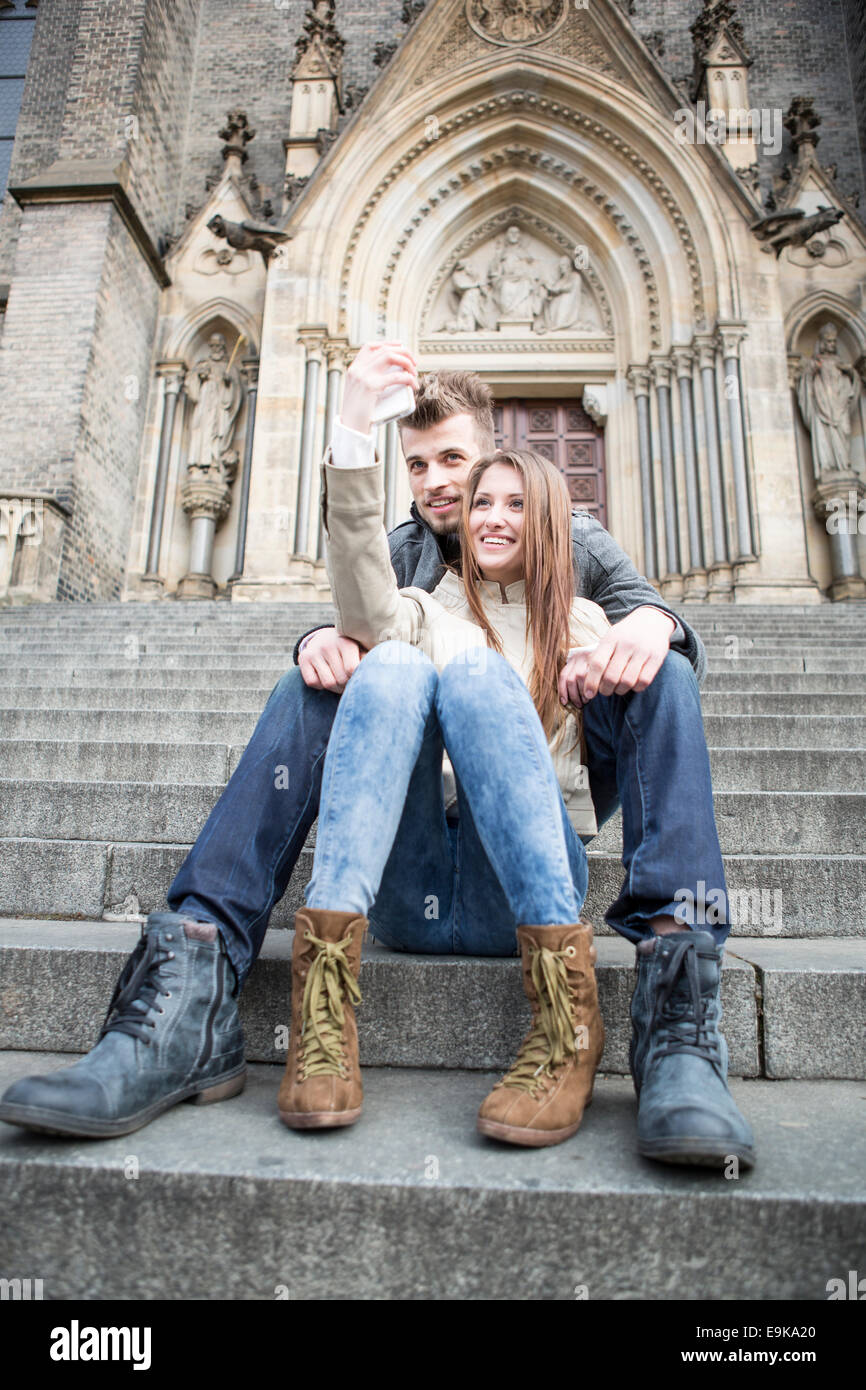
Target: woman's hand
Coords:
[[376, 367], [628, 658]]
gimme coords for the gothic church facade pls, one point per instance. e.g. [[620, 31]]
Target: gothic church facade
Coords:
[[640, 222]]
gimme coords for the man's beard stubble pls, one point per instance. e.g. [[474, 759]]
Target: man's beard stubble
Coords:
[[440, 526]]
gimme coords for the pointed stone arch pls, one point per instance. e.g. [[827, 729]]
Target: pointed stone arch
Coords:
[[823, 301], [180, 342]]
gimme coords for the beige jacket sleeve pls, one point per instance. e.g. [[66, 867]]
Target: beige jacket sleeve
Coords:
[[369, 605]]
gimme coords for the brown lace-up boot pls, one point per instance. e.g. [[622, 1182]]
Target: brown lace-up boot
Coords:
[[322, 1082], [542, 1098]]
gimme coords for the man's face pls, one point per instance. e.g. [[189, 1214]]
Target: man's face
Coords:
[[439, 460]]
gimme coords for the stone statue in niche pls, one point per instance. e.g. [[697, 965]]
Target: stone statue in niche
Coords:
[[214, 387], [827, 391]]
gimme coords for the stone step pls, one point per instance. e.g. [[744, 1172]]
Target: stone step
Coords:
[[221, 610], [127, 644], [114, 746], [162, 811], [251, 699], [787, 683], [745, 702], [284, 617], [161, 678], [132, 676], [767, 732], [58, 979], [109, 663], [245, 699], [234, 672], [771, 730], [71, 663], [784, 895], [207, 636], [422, 1202], [72, 652]]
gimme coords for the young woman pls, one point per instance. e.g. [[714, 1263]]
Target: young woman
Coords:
[[454, 794]]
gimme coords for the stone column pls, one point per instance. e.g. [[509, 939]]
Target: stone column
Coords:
[[335, 356], [671, 584], [639, 380], [392, 455], [729, 337], [837, 499], [250, 374], [720, 572], [313, 340], [172, 375], [696, 576]]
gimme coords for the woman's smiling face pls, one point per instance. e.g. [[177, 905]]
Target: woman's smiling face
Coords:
[[496, 523]]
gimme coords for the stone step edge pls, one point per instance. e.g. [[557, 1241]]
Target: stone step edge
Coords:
[[480, 1222], [818, 963]]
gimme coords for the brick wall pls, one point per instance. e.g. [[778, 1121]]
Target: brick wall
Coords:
[[161, 104], [855, 44], [244, 58], [112, 411], [43, 103], [800, 48], [74, 366]]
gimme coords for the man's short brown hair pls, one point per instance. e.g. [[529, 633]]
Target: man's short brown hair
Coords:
[[443, 394]]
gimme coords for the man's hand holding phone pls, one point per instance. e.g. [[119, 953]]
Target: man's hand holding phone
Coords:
[[376, 367]]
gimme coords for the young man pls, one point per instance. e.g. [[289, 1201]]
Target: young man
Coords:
[[645, 750]]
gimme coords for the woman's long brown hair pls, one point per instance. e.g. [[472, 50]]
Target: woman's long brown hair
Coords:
[[547, 568]]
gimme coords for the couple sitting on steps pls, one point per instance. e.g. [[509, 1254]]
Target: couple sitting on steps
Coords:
[[521, 682]]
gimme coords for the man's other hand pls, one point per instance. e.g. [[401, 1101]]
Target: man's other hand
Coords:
[[628, 658], [328, 660]]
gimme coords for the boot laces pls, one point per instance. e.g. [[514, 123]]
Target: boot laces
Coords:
[[552, 1038], [322, 1013], [679, 1004], [137, 990]]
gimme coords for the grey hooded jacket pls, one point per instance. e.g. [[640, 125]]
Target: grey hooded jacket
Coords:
[[605, 574]]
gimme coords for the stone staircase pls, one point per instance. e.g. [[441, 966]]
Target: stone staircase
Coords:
[[119, 726]]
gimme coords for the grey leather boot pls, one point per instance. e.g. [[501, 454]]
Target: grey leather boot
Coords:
[[171, 1033], [678, 1057]]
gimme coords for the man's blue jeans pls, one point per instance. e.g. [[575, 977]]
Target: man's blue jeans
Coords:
[[383, 847], [645, 748]]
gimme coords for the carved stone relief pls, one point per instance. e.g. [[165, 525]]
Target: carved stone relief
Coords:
[[210, 262], [516, 21], [513, 282]]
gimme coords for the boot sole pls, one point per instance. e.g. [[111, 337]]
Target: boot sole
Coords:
[[699, 1152], [319, 1119], [76, 1126], [529, 1138]]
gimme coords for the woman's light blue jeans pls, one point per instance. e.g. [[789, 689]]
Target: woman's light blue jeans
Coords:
[[384, 848]]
